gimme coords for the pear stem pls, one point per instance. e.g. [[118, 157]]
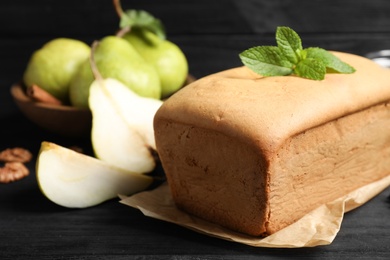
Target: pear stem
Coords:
[[118, 7], [123, 31], [94, 68], [119, 11]]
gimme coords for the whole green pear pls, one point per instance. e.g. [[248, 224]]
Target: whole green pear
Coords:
[[53, 65], [79, 85], [116, 58], [168, 59]]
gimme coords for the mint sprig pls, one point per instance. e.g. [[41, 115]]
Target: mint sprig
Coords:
[[289, 58], [140, 18]]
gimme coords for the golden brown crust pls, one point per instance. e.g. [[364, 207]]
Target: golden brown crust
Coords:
[[273, 108], [255, 154]]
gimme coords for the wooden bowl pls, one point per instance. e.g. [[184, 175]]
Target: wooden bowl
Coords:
[[63, 120], [59, 119]]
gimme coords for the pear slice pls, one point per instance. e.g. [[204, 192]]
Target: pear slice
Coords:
[[76, 180], [122, 126]]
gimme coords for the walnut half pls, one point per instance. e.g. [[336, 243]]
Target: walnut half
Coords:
[[16, 154], [14, 168], [13, 171]]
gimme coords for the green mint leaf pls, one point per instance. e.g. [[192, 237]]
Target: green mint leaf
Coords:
[[266, 60], [289, 43], [289, 57], [311, 69], [332, 63], [140, 18]]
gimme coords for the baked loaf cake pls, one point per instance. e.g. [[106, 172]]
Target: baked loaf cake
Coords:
[[254, 154]]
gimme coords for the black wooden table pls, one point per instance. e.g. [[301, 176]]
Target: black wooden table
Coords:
[[211, 33]]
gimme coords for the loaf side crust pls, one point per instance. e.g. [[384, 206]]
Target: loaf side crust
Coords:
[[214, 176], [227, 182], [327, 162]]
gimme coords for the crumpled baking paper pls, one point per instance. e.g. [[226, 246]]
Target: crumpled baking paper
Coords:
[[316, 228]]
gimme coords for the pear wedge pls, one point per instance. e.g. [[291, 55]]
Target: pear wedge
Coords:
[[122, 125], [76, 180]]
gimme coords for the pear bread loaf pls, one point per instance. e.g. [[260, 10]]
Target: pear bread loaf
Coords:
[[254, 154]]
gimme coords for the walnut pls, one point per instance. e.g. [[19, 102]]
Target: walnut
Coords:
[[16, 154], [13, 171], [14, 168]]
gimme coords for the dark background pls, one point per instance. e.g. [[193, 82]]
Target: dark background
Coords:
[[211, 34]]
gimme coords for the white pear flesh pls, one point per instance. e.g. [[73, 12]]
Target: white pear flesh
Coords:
[[74, 180], [122, 125]]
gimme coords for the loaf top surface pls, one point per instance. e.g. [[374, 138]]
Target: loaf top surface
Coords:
[[265, 111]]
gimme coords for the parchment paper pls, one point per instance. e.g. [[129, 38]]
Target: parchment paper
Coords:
[[318, 227]]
